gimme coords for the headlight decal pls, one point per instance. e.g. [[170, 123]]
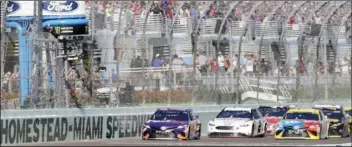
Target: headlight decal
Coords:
[[211, 124], [245, 125]]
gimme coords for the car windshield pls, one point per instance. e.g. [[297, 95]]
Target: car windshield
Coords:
[[349, 112], [265, 110], [279, 112], [301, 115], [334, 115], [234, 114], [170, 115]]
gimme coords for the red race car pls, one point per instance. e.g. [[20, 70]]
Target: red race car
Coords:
[[274, 116]]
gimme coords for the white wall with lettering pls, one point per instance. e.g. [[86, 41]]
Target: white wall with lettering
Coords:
[[26, 8]]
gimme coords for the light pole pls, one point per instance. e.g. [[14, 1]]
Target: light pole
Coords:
[[318, 45], [270, 16], [224, 20], [243, 32], [301, 42]]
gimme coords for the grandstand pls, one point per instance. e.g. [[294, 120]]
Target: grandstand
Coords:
[[238, 47]]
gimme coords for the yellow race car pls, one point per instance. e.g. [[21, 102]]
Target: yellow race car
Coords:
[[303, 124], [348, 111], [338, 120]]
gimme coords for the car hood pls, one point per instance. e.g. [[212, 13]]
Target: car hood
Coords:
[[272, 120], [333, 120], [230, 121], [297, 123], [166, 123]]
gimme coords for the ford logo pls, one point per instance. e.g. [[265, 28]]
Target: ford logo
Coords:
[[60, 6], [12, 7]]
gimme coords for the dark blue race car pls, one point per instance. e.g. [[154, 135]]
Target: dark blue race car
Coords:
[[172, 124]]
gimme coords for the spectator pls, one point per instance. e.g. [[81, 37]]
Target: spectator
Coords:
[[292, 20], [227, 63], [137, 63], [213, 66], [249, 65], [157, 62], [344, 65], [202, 62], [177, 66], [321, 67], [221, 61], [234, 63]]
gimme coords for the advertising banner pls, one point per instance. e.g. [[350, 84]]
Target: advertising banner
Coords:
[[57, 129], [50, 8]]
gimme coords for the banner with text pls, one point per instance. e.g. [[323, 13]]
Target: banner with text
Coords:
[[56, 129], [26, 8]]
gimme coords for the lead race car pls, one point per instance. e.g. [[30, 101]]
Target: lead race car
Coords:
[[237, 122], [172, 124], [303, 124], [338, 120]]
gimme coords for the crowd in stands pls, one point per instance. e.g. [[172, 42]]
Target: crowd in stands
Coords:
[[249, 63]]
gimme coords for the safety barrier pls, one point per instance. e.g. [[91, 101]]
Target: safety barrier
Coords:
[[74, 125]]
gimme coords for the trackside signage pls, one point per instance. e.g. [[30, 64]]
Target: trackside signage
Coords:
[[57, 129], [50, 8], [60, 6]]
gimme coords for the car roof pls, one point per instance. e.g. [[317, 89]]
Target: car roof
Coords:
[[238, 109], [174, 110], [329, 107], [262, 106], [303, 110]]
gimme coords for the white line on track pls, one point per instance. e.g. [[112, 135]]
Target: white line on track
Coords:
[[343, 144]]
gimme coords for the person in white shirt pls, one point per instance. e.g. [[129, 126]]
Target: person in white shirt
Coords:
[[317, 19], [177, 67], [249, 66], [221, 61]]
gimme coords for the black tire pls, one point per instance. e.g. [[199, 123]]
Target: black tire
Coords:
[[199, 132], [252, 134], [189, 133], [264, 135], [321, 130]]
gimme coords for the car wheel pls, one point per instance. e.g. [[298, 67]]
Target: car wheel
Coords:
[[189, 133], [252, 132], [265, 131], [345, 133], [199, 133]]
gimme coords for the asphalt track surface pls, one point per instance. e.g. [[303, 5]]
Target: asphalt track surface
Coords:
[[205, 141]]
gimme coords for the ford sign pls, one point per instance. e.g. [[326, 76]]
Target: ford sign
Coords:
[[12, 7], [60, 6]]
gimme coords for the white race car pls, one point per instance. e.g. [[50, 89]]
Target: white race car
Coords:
[[238, 122]]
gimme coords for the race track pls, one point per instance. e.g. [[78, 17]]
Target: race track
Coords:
[[205, 141]]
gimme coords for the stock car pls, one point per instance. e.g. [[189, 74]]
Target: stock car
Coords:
[[274, 116], [338, 120], [265, 109], [303, 124], [172, 124], [348, 111], [237, 122]]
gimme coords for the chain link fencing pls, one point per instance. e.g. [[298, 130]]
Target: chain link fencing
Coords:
[[128, 64]]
